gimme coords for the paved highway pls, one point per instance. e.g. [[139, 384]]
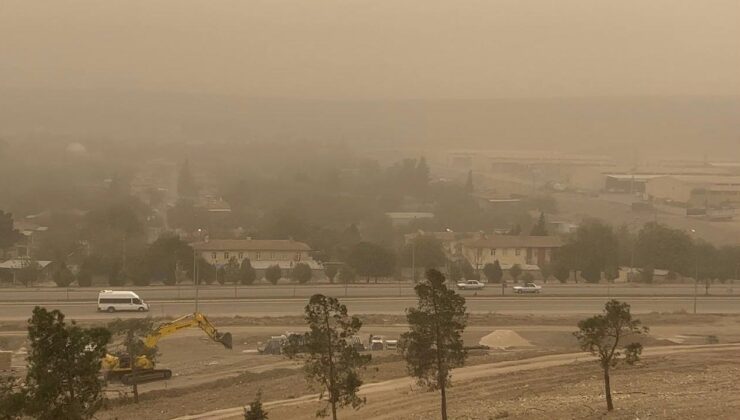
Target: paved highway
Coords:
[[388, 305], [74, 294]]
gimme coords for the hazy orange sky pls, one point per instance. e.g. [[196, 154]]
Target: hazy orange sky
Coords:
[[375, 48]]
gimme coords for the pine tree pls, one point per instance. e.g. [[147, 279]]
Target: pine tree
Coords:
[[540, 228], [434, 345], [332, 361]]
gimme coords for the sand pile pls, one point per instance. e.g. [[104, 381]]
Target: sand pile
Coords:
[[504, 339]]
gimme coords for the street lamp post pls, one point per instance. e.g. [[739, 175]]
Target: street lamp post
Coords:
[[696, 272], [195, 277]]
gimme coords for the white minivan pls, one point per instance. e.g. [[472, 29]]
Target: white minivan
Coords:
[[120, 300]]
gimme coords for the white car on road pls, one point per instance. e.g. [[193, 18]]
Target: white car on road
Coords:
[[527, 288], [470, 285]]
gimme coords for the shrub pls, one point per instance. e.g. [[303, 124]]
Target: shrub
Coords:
[[301, 273], [273, 273]]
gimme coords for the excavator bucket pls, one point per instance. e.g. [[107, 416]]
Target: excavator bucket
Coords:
[[225, 339]]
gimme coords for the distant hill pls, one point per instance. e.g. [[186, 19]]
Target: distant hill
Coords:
[[650, 126]]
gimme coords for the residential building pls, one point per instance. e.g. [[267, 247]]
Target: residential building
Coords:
[[529, 252], [261, 253]]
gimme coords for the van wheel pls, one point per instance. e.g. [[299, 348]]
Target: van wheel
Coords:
[[110, 309], [141, 309]]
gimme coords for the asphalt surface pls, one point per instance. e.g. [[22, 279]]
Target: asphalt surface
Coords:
[[187, 292], [386, 305]]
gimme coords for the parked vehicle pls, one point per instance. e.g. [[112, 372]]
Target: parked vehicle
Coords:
[[121, 300], [527, 288], [379, 342], [470, 285]]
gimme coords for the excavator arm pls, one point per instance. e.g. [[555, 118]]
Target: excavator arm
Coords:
[[196, 319]]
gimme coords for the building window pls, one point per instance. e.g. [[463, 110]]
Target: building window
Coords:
[[241, 255], [298, 256], [257, 256], [226, 256], [272, 255], [214, 256], [518, 252], [493, 251]]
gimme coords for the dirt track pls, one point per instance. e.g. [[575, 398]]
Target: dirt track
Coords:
[[210, 378], [400, 401]]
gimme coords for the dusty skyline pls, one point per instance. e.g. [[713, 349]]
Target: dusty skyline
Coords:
[[364, 49]]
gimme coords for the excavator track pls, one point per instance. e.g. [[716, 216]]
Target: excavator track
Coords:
[[145, 376]]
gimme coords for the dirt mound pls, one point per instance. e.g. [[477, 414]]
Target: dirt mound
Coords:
[[504, 339]]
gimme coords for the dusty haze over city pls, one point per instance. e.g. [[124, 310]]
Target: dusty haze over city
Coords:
[[369, 209], [628, 77]]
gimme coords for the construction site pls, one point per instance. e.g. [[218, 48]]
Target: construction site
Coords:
[[518, 367]]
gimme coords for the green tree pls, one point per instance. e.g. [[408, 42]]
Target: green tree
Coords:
[[331, 361], [331, 271], [255, 411], [12, 398], [455, 272], [206, 272], [84, 276], [665, 248], [8, 234], [602, 336], [247, 272], [371, 260], [301, 273], [233, 271], [560, 270], [516, 230], [72, 354], [63, 276], [540, 228], [515, 271], [546, 270], [221, 275], [347, 274], [165, 255], [493, 272], [647, 273], [29, 273], [433, 346], [425, 251], [273, 273], [593, 249]]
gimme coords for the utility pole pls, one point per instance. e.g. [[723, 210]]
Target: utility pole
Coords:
[[132, 356], [413, 261], [696, 281]]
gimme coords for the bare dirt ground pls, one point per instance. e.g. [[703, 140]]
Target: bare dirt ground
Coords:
[[208, 377]]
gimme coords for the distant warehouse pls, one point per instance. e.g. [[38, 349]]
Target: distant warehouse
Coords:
[[696, 191]]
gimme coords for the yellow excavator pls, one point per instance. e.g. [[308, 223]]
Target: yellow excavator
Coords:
[[120, 368]]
